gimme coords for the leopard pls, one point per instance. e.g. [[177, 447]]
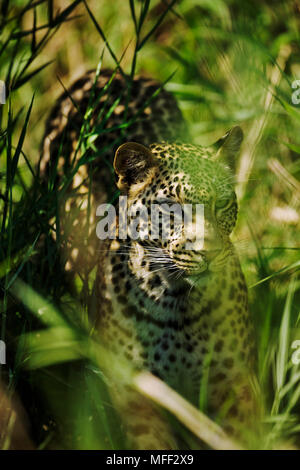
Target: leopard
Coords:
[[180, 313], [152, 114]]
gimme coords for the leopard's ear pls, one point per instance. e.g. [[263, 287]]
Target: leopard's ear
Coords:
[[228, 146], [133, 163]]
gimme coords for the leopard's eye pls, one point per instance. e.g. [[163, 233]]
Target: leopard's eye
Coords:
[[170, 208], [166, 204], [165, 201], [224, 203]]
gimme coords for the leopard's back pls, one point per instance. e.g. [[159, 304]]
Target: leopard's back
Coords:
[[85, 127], [181, 312], [120, 110], [143, 312]]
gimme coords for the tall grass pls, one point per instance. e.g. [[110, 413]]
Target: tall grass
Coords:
[[233, 63]]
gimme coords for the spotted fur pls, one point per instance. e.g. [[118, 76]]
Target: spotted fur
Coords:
[[182, 314], [149, 116]]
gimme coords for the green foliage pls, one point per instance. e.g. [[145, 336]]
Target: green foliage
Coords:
[[228, 63]]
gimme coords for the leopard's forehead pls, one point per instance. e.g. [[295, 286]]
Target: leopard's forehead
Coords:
[[193, 167]]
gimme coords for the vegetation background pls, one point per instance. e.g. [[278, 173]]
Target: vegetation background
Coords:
[[227, 62]]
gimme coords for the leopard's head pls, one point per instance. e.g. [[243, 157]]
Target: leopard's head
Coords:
[[169, 187]]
